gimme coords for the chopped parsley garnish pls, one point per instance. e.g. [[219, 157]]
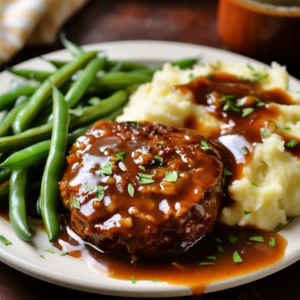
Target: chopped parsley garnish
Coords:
[[107, 168], [254, 184], [145, 175], [272, 242], [287, 128], [249, 243], [236, 257], [264, 132], [243, 78], [67, 202], [227, 173], [276, 126], [155, 280], [247, 111], [49, 250], [5, 241], [90, 187], [63, 253], [133, 122], [250, 67], [219, 240], [100, 192], [259, 77], [245, 150], [133, 280], [270, 119], [159, 158], [160, 143], [142, 168], [171, 176], [192, 76], [232, 239], [256, 99], [207, 264], [76, 204], [145, 181], [292, 143], [219, 247], [210, 75], [204, 145], [257, 239], [230, 105], [130, 189], [247, 212], [120, 156], [42, 256], [260, 104], [213, 257]]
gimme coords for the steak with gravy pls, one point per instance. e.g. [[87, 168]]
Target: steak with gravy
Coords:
[[138, 189]]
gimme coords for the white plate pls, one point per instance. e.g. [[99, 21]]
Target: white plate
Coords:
[[74, 273]]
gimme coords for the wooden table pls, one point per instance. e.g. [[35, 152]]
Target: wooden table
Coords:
[[184, 21]]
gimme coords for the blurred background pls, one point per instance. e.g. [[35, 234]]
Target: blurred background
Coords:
[[29, 28]]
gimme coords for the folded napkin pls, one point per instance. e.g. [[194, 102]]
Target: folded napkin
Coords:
[[32, 22]]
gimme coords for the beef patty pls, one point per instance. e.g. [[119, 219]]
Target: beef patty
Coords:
[[139, 189]]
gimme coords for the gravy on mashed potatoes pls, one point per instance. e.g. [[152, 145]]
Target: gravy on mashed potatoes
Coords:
[[246, 110]]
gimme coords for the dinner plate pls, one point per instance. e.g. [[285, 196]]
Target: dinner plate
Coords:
[[74, 273]]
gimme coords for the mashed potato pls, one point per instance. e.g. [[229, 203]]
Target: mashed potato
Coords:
[[276, 172]]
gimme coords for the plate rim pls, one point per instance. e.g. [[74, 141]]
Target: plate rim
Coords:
[[142, 288]]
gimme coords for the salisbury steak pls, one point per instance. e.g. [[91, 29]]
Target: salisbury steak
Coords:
[[142, 189]]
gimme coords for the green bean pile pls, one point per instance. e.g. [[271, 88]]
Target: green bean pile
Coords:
[[44, 116]]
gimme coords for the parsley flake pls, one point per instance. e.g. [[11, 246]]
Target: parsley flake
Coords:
[[63, 253], [149, 176], [276, 126], [5, 241], [120, 156], [210, 75], [67, 202], [245, 150], [236, 257], [247, 212], [49, 250], [130, 189], [250, 67], [213, 257], [270, 119], [227, 173], [287, 128], [107, 168], [42, 256], [219, 247], [142, 168], [254, 184], [292, 143], [159, 158], [232, 239], [133, 280], [247, 111], [260, 104], [219, 240], [272, 242], [160, 143], [249, 243], [171, 176], [263, 132], [192, 76], [90, 187], [257, 239], [204, 145], [76, 204], [100, 192], [256, 99], [145, 181], [207, 264], [155, 280]]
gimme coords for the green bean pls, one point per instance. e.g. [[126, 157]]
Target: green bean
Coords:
[[95, 113], [17, 203], [25, 139], [31, 74], [54, 164], [74, 49], [28, 156], [4, 174], [40, 96], [4, 191], [78, 89], [9, 118], [120, 80], [56, 63], [8, 98]]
